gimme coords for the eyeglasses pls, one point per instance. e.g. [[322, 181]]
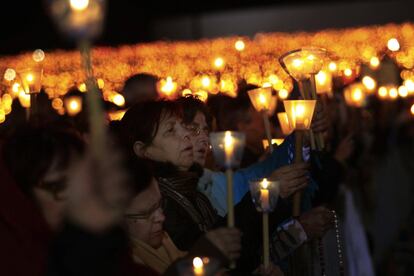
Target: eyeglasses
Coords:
[[56, 188], [148, 215], [196, 129]]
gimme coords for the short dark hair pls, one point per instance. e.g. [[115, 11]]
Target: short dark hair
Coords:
[[141, 121], [141, 172], [30, 151], [190, 106]]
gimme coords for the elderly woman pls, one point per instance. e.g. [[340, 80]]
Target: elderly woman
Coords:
[[155, 131], [151, 245]]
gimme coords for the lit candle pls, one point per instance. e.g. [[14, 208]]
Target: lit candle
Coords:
[[228, 147], [198, 266], [284, 123], [264, 195], [73, 105]]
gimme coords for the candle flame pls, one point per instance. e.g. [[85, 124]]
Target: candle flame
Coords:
[[332, 66], [283, 94], [374, 62], [382, 92], [262, 99], [264, 183], [357, 95], [299, 110], [29, 77], [79, 5], [369, 82], [198, 263], [393, 45], [228, 142], [297, 63], [239, 45], [412, 109]]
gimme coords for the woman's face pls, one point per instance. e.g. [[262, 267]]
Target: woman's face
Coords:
[[171, 144], [199, 138], [144, 216], [50, 195]]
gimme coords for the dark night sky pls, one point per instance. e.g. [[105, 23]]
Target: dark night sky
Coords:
[[26, 25]]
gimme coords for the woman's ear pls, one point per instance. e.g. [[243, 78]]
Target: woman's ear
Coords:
[[139, 149]]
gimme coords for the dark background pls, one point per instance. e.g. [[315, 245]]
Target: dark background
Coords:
[[25, 25]]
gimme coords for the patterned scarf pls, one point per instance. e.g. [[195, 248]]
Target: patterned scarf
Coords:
[[182, 188]]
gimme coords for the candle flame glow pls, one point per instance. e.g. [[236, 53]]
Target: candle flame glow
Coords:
[[79, 5], [264, 184]]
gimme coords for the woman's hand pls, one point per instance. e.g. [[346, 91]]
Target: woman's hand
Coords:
[[292, 178], [228, 240], [98, 191]]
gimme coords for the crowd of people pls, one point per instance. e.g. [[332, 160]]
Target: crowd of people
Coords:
[[155, 199]]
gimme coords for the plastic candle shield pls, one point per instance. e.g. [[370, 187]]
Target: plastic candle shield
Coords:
[[31, 80], [299, 113], [300, 64], [265, 194], [284, 123], [78, 19], [228, 148], [262, 99]]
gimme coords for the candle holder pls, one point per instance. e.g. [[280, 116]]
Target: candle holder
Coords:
[[228, 147], [276, 141], [284, 123], [302, 65], [78, 19], [198, 266], [31, 80], [82, 21], [299, 113], [265, 195], [263, 101]]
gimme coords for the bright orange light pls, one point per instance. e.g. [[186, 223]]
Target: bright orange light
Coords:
[[57, 103], [118, 99], [393, 45], [168, 86], [101, 83], [348, 72], [412, 109], [79, 5], [219, 63], [205, 82], [410, 85], [38, 55], [369, 83], [357, 94], [332, 66], [382, 92], [393, 93], [82, 87], [402, 91], [239, 45], [374, 62], [321, 77], [29, 77], [9, 74], [297, 63], [283, 94]]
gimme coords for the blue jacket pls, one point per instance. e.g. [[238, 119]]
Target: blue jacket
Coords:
[[213, 183]]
